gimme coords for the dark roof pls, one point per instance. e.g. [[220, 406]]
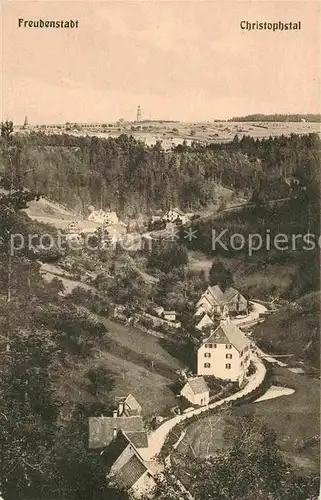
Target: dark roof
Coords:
[[101, 429], [129, 474], [135, 440], [228, 332], [198, 385], [217, 337], [116, 448], [139, 439], [230, 294]]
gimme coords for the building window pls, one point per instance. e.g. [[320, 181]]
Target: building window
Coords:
[[228, 346], [228, 366], [207, 355], [215, 346], [207, 365], [209, 346], [241, 363], [228, 356]]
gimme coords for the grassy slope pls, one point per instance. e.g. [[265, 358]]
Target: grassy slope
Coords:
[[295, 329], [139, 364], [295, 419]]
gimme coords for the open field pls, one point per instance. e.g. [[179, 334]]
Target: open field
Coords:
[[151, 389], [142, 343], [295, 420], [140, 365], [174, 133]]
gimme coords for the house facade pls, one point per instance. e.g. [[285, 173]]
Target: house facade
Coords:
[[169, 315], [196, 391], [235, 301], [225, 353], [73, 233], [173, 214], [102, 217], [213, 302], [160, 320]]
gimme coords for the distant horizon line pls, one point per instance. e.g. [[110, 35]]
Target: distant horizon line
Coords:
[[164, 120]]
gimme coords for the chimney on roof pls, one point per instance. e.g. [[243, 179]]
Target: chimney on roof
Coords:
[[120, 408], [115, 414], [115, 430]]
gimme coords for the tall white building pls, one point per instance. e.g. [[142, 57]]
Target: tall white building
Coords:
[[225, 353]]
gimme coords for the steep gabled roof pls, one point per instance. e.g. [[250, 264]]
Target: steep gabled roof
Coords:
[[198, 385], [101, 429], [230, 294], [178, 210], [139, 439], [132, 403], [208, 299], [129, 474], [228, 333], [205, 320], [217, 294]]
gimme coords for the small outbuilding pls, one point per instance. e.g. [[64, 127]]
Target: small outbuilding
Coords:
[[196, 391]]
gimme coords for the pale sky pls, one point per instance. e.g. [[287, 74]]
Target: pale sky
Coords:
[[180, 60]]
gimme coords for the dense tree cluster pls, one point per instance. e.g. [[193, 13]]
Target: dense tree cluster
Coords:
[[249, 466], [277, 117], [125, 174]]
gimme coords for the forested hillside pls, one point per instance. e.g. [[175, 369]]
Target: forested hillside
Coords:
[[130, 177]]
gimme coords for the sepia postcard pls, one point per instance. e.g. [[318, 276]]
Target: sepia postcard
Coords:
[[160, 250]]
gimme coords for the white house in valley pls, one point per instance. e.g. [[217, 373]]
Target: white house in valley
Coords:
[[102, 217], [216, 303], [175, 213], [225, 353], [196, 391]]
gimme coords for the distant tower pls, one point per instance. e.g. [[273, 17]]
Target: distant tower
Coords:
[[25, 124], [139, 114]]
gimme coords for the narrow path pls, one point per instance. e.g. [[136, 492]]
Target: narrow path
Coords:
[[50, 271], [157, 438]]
